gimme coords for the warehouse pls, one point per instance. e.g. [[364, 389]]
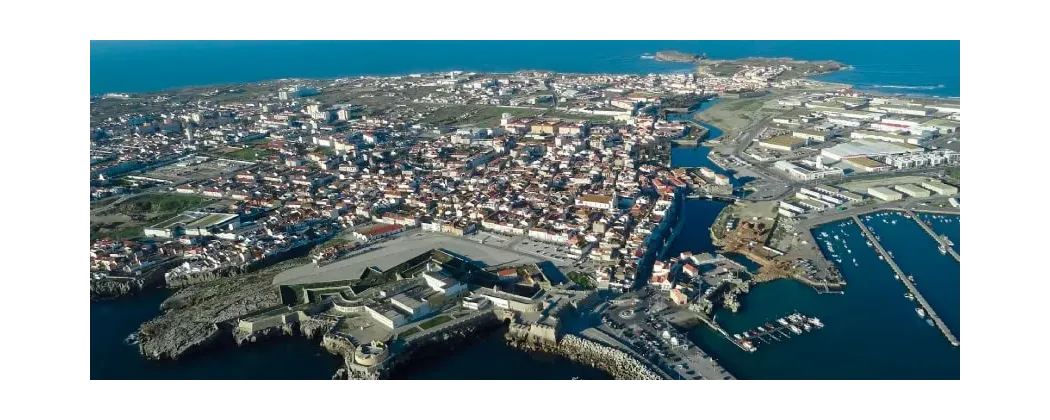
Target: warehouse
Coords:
[[805, 171], [940, 188], [884, 194], [784, 143], [912, 190], [811, 135], [864, 164], [866, 148]]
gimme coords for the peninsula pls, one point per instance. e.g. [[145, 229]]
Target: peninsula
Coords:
[[388, 216]]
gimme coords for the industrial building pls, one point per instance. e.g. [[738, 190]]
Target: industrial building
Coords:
[[784, 143], [807, 170], [884, 194], [940, 188], [835, 192], [811, 135], [867, 148], [918, 160], [865, 164], [912, 190]]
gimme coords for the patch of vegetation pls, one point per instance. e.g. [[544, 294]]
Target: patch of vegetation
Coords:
[[433, 322], [582, 279], [745, 105], [103, 202], [249, 154], [162, 203], [575, 116], [410, 332], [953, 173]]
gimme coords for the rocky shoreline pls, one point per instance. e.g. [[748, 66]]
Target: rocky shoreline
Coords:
[[116, 287], [202, 315]]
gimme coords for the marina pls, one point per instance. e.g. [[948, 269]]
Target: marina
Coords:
[[784, 328]]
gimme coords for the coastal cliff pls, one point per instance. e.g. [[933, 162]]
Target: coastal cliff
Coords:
[[202, 315]]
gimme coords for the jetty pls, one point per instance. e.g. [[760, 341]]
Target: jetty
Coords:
[[940, 240], [911, 287]]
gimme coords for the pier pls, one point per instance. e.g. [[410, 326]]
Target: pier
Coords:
[[947, 247], [789, 326], [911, 287]]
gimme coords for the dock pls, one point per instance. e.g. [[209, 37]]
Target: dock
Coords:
[[787, 327], [911, 287], [929, 230]]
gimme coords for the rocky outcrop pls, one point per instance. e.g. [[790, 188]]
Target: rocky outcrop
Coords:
[[202, 315], [114, 287], [612, 361]]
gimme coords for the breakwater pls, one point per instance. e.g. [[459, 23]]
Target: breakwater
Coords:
[[610, 360]]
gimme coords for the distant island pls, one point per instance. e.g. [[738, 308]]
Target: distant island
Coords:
[[679, 57]]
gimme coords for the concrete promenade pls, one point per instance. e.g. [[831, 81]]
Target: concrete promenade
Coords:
[[911, 287], [950, 249]]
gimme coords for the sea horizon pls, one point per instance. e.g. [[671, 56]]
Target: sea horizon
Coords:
[[910, 68]]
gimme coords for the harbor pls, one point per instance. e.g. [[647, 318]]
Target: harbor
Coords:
[[926, 308]]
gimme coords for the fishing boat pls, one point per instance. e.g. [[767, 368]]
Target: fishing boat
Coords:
[[816, 322], [909, 296], [930, 321], [769, 326], [782, 321], [796, 330], [806, 327], [880, 257], [868, 242], [736, 336], [747, 345], [942, 249], [920, 312], [762, 330]]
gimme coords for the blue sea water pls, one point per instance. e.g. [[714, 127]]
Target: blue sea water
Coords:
[[937, 276], [871, 331], [910, 67], [113, 320], [944, 224]]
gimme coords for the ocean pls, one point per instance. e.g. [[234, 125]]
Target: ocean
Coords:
[[871, 331], [902, 67]]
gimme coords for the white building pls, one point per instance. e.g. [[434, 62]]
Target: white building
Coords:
[[912, 190], [602, 202], [940, 188], [884, 194], [806, 171]]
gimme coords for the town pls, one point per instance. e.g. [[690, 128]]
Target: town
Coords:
[[415, 206]]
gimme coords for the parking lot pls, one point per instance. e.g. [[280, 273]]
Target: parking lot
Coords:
[[639, 325]]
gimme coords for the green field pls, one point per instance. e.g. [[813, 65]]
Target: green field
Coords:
[[162, 203], [745, 105], [249, 154], [438, 320]]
